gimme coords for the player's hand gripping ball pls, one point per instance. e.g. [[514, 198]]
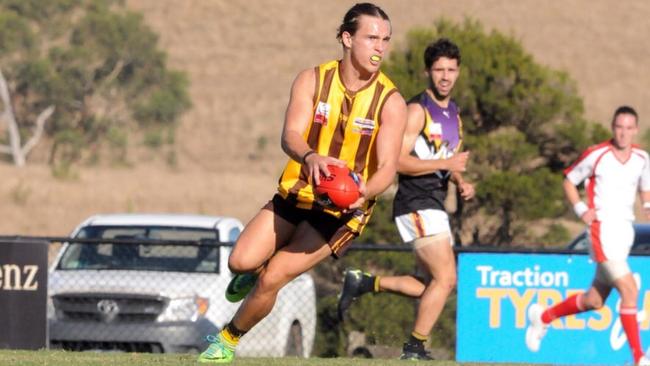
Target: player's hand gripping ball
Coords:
[[340, 189]]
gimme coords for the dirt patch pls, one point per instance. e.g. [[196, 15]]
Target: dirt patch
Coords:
[[35, 203]]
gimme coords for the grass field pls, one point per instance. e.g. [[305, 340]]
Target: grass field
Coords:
[[61, 358]]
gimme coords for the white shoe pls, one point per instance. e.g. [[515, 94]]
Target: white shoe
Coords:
[[536, 328], [644, 361]]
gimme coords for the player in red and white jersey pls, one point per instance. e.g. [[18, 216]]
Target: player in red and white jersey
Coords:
[[611, 182], [613, 172]]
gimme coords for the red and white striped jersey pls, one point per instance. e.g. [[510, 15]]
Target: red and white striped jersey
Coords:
[[611, 185]]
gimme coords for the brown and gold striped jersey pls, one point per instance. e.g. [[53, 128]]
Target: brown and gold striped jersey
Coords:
[[344, 125]]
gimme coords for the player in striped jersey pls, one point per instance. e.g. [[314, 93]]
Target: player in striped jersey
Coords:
[[613, 172], [431, 156], [344, 112]]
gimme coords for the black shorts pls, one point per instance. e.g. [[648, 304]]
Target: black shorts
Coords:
[[333, 229]]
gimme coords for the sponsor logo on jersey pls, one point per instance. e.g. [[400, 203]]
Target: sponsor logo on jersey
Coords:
[[363, 126], [322, 113]]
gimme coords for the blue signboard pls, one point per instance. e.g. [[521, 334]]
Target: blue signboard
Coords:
[[495, 291]]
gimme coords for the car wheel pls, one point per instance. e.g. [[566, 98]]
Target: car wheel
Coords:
[[361, 352], [294, 341]]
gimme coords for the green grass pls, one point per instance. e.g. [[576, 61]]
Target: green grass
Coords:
[[62, 358]]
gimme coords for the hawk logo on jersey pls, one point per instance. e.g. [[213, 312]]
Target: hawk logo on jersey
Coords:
[[322, 113], [435, 134], [363, 126]]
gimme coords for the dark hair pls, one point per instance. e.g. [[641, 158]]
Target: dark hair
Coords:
[[351, 19], [624, 109], [441, 48]]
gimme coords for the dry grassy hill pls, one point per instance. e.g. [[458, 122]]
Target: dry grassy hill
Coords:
[[241, 57]]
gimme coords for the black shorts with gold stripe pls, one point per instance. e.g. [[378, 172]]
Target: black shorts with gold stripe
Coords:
[[334, 230]]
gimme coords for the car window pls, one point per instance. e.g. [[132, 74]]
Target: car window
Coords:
[[642, 239], [143, 257], [580, 242], [233, 234]]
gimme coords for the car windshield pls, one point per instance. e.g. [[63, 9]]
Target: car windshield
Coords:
[[142, 256]]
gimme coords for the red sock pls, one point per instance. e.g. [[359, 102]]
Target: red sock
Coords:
[[631, 328], [572, 305]]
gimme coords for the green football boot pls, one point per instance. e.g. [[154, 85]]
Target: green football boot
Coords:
[[217, 351], [240, 286]]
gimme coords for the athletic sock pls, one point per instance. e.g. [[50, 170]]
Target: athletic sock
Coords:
[[572, 305], [367, 283], [230, 335], [417, 337], [631, 328]]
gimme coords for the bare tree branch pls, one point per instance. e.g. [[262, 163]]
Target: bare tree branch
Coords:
[[38, 130], [4, 93], [14, 148], [96, 101], [119, 65], [12, 125]]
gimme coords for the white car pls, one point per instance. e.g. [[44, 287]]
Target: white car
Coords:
[[161, 297]]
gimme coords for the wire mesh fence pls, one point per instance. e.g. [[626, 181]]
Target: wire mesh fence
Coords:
[[164, 291]]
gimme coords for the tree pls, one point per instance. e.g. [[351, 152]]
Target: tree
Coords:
[[94, 67], [523, 122], [15, 148]]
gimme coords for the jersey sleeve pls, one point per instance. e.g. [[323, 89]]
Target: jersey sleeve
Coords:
[[581, 169], [645, 174]]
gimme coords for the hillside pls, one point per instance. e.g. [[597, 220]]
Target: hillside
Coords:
[[241, 58]]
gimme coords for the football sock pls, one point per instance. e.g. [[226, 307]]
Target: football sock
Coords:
[[231, 335], [367, 283], [572, 305], [631, 328], [376, 284], [415, 336]]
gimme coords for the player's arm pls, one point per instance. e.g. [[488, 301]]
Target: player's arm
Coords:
[[586, 214], [644, 186], [297, 119], [645, 202], [410, 165], [388, 143], [465, 188]]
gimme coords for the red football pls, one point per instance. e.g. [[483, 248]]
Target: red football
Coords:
[[340, 189]]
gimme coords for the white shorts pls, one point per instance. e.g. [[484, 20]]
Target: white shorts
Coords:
[[610, 240], [423, 223], [610, 271]]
